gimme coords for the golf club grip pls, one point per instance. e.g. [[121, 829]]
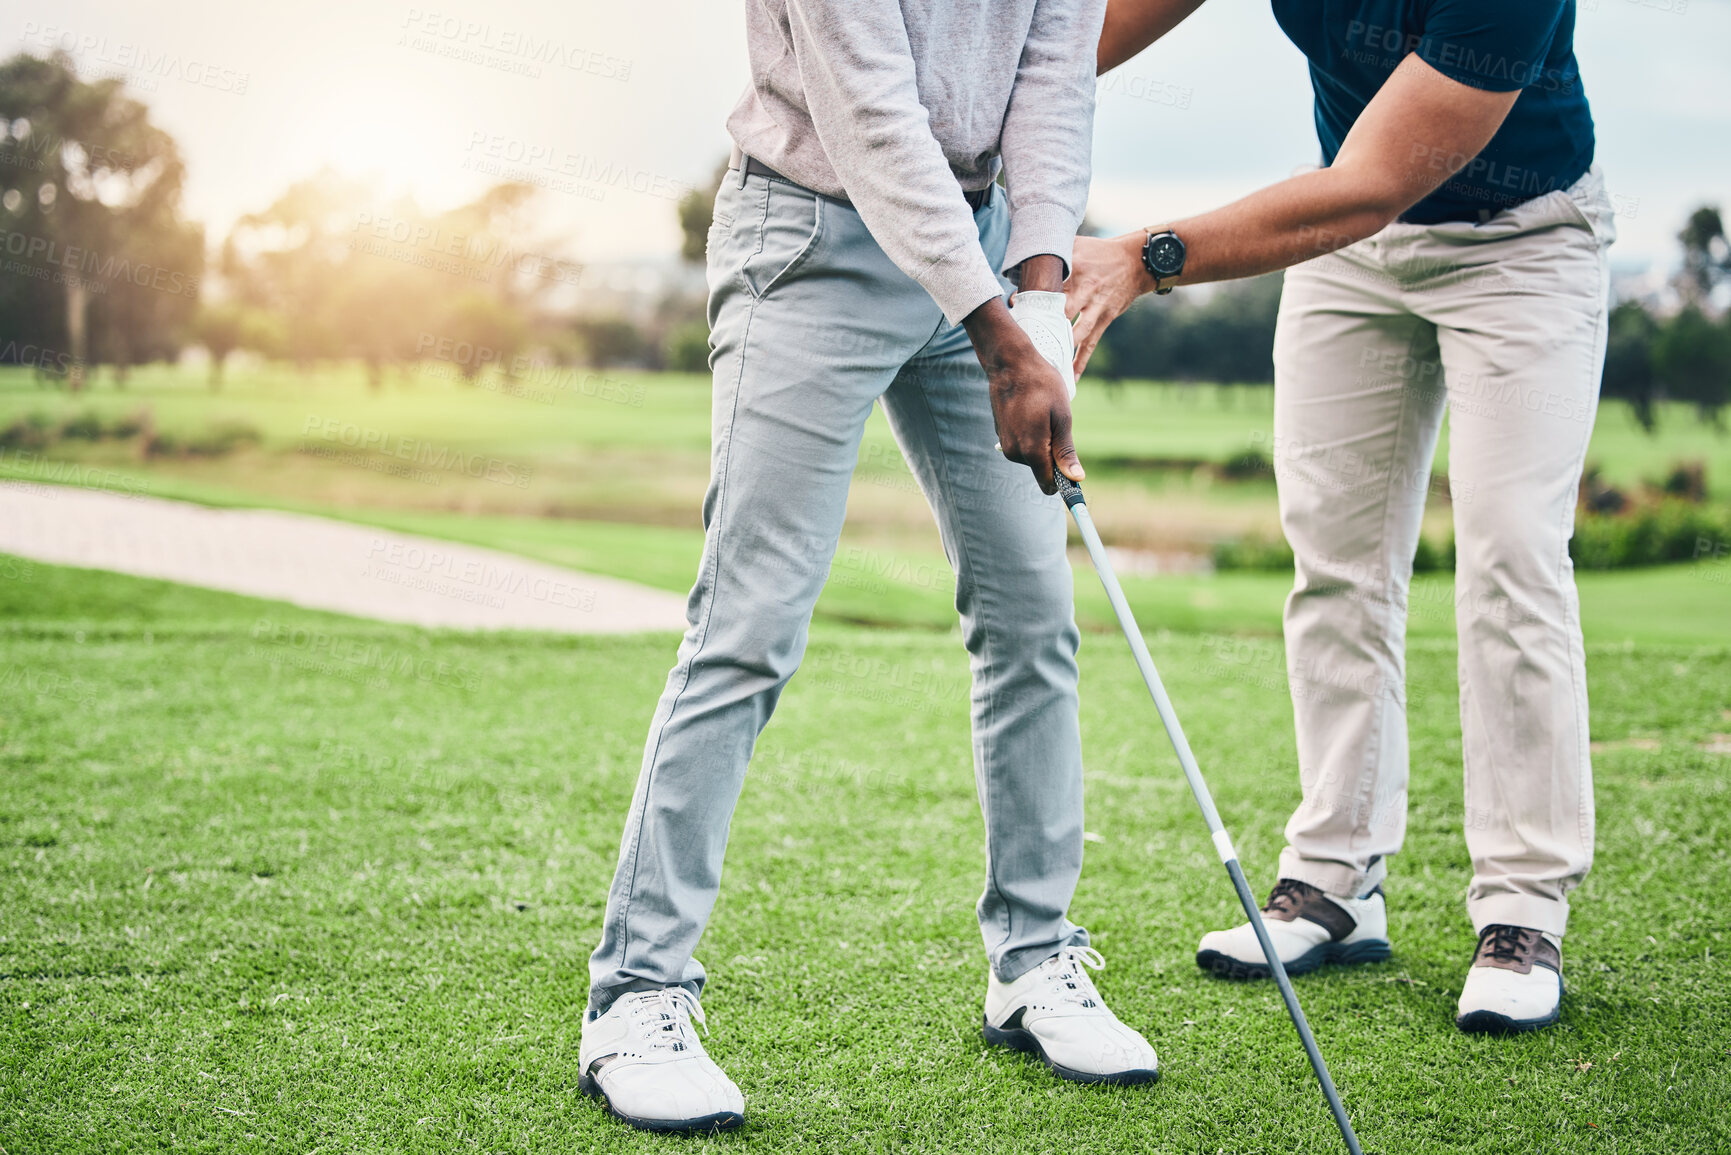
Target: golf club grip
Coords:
[[1067, 489]]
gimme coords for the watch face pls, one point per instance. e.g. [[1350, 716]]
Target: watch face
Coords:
[[1166, 255]]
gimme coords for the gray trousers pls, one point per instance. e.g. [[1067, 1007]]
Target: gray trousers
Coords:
[[810, 325], [1501, 326]]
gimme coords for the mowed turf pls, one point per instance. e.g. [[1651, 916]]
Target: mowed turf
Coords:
[[272, 880]]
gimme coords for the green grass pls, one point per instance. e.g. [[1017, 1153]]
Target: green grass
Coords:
[[272, 880], [653, 429], [629, 409]]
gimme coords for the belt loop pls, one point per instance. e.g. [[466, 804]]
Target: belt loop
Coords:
[[738, 161]]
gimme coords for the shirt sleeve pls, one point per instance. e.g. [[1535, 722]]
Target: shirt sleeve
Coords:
[[1048, 134], [858, 74], [1495, 45]]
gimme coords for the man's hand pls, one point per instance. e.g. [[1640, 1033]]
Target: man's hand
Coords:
[[1030, 404], [1106, 275]]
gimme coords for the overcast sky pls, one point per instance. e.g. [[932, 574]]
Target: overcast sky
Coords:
[[615, 107]]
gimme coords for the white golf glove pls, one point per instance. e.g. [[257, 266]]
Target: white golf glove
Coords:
[[1041, 316]]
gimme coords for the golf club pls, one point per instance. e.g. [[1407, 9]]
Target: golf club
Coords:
[[1072, 495]]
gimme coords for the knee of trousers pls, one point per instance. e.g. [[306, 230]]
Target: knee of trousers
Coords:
[[1512, 579], [1034, 603], [1353, 602], [1032, 644], [750, 652]]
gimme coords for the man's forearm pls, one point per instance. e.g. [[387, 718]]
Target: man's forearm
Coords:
[[1286, 223], [1132, 25], [1046, 137]]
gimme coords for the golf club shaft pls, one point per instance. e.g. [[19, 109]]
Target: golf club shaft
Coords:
[[1072, 494]]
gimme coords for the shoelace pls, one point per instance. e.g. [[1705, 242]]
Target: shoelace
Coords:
[[1069, 981], [1504, 943], [663, 1018], [1287, 894]]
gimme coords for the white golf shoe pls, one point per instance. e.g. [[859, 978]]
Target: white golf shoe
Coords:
[[1307, 927], [1515, 984], [644, 1059], [1055, 1012]]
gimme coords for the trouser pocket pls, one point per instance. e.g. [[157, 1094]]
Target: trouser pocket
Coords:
[[787, 228]]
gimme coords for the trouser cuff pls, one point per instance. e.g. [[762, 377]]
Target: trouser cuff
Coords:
[[1014, 964], [1331, 876], [600, 998], [1550, 915]]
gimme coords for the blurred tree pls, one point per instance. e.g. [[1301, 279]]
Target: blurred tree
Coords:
[[1228, 337], [1706, 255], [352, 278], [1692, 356], [146, 315], [290, 258], [1628, 374], [688, 348], [226, 326], [696, 213], [485, 330], [95, 189], [609, 340]]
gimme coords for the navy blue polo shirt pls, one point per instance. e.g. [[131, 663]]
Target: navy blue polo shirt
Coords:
[[1499, 45]]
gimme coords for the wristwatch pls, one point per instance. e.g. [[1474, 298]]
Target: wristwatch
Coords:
[[1163, 257]]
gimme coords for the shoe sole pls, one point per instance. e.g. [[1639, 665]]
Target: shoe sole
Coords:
[[1491, 1023], [1022, 1040], [1344, 954], [720, 1121]]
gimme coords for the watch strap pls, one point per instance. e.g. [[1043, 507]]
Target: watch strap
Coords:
[[1152, 232]]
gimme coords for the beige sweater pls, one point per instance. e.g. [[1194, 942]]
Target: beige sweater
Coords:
[[891, 105]]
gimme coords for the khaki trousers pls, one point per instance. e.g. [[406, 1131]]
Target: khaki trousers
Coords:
[[1501, 325]]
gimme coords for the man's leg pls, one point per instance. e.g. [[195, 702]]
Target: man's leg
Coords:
[[1522, 334], [1357, 405], [1521, 322], [809, 323], [1005, 540]]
